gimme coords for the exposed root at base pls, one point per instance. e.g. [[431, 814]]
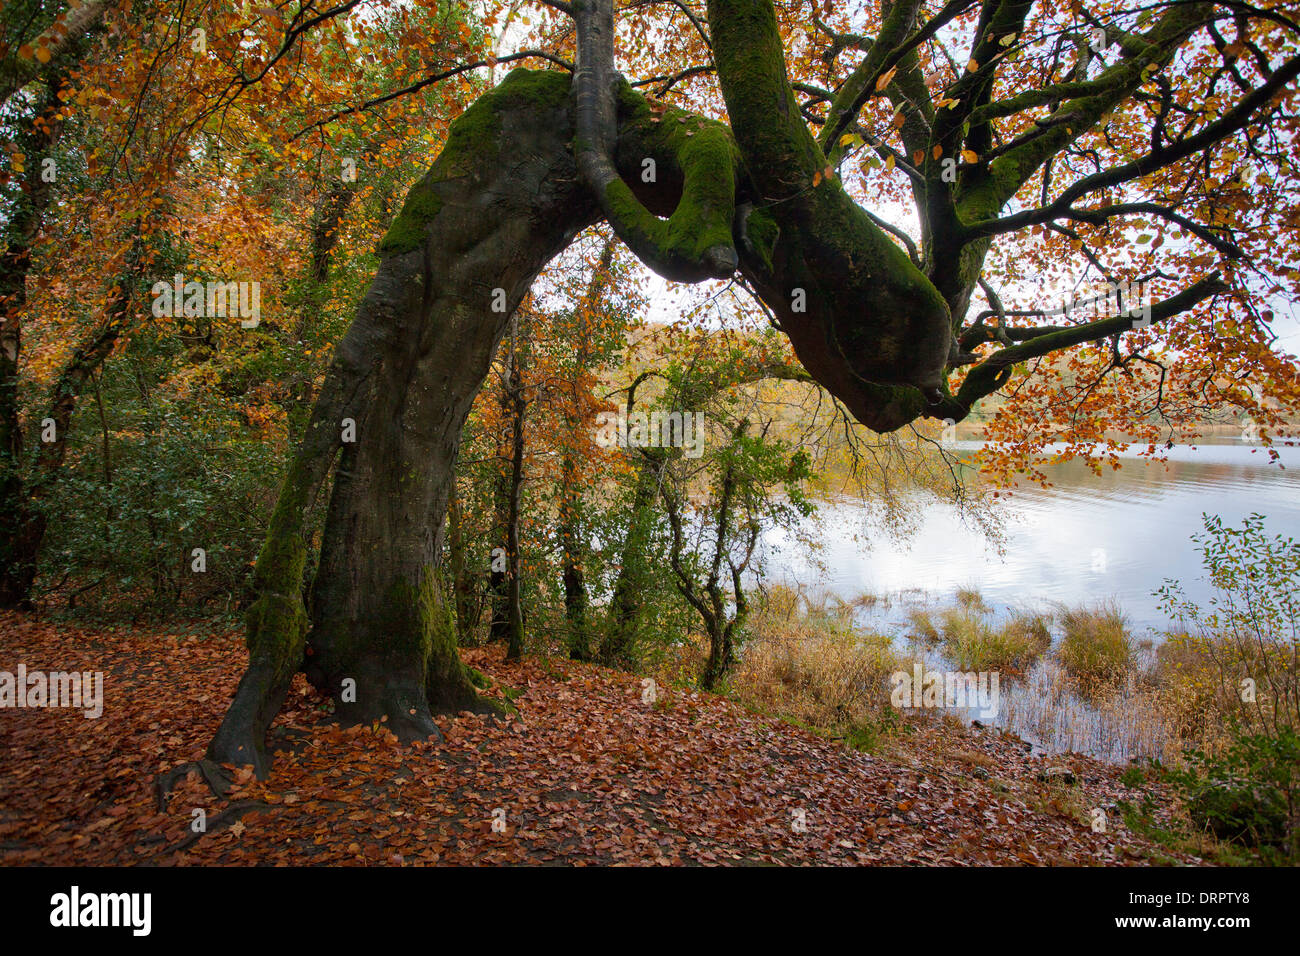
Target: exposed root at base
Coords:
[[217, 778]]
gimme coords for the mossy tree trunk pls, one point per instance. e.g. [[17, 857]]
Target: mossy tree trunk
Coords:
[[498, 204], [502, 199]]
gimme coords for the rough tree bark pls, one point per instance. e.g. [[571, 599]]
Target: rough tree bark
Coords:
[[501, 200]]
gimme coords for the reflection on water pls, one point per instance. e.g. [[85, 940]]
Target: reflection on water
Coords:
[[1118, 535], [1090, 538]]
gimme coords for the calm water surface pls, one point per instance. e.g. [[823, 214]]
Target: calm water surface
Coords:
[[1090, 537]]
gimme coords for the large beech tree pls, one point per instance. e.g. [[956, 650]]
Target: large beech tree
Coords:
[[1015, 128]]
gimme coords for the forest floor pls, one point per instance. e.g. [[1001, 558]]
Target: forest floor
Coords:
[[584, 773]]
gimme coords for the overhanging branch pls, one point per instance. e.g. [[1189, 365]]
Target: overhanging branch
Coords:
[[988, 376]]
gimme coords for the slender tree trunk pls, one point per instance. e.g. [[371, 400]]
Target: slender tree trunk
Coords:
[[462, 579], [575, 585], [326, 220], [19, 536], [29, 520], [514, 578], [578, 407], [499, 575], [617, 647]]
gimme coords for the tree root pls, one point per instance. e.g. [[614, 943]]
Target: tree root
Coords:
[[227, 817], [217, 778]]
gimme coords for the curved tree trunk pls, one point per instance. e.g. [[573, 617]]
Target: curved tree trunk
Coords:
[[500, 202], [502, 199]]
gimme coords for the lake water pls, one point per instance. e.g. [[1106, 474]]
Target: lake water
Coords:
[[1090, 537]]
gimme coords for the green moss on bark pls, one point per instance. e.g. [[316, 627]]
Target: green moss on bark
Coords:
[[449, 682], [473, 142], [698, 152], [764, 114], [408, 231], [762, 232], [404, 616], [277, 620]]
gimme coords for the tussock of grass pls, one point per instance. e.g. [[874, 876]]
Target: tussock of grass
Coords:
[[971, 643], [814, 669], [922, 626], [972, 600], [1096, 649]]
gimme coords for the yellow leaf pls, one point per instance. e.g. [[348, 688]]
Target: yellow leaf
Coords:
[[969, 156], [886, 78], [972, 66], [43, 54], [937, 152]]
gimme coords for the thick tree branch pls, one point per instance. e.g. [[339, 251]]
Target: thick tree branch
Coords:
[[695, 242], [17, 70]]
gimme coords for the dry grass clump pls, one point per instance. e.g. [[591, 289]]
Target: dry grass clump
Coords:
[[1096, 649], [971, 643], [972, 600], [1032, 629], [923, 628], [812, 667], [1201, 683]]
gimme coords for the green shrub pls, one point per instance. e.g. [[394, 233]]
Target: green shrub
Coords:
[[1247, 793]]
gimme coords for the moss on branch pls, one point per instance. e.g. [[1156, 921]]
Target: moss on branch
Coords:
[[473, 141], [695, 241]]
